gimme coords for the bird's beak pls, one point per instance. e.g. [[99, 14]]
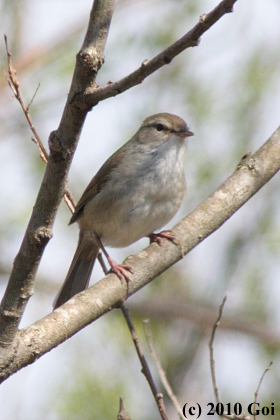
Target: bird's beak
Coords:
[[186, 134]]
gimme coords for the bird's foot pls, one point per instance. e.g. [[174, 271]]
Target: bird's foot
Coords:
[[121, 270], [165, 234]]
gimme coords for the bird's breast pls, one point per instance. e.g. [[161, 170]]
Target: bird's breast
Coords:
[[129, 208]]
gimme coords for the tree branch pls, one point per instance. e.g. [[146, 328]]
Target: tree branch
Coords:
[[190, 39], [251, 174], [62, 143]]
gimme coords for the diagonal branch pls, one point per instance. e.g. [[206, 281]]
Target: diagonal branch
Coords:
[[190, 39], [251, 174], [62, 143]]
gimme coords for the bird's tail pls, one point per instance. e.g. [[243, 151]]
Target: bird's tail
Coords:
[[78, 276]]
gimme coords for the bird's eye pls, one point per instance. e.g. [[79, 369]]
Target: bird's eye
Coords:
[[160, 127]]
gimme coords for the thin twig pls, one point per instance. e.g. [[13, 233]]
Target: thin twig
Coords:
[[162, 374], [69, 199], [211, 348], [212, 361], [123, 414], [258, 388], [145, 368], [14, 85], [212, 365], [33, 97]]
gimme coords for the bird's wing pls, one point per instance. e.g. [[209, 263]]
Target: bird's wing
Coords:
[[98, 181]]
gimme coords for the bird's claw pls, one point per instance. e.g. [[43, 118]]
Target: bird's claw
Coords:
[[165, 234], [120, 270]]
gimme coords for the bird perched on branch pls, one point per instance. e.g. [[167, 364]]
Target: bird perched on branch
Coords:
[[134, 193]]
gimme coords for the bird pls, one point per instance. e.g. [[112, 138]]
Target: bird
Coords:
[[135, 193]]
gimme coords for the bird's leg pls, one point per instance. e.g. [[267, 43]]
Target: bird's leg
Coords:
[[165, 234], [119, 269]]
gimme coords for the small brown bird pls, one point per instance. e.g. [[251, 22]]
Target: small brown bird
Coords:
[[136, 192]]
